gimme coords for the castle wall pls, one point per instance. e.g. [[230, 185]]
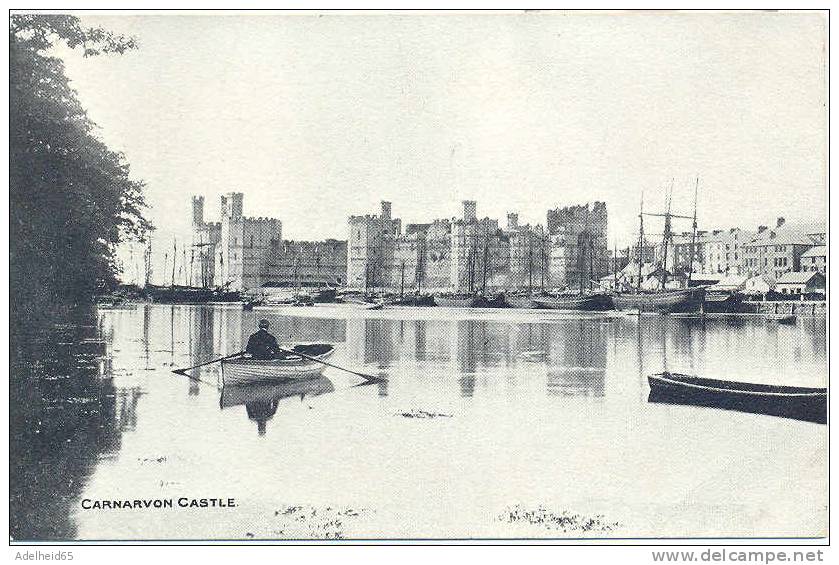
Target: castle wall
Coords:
[[247, 252], [308, 264], [458, 255]]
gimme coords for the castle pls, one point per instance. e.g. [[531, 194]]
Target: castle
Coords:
[[241, 252], [465, 254], [469, 254]]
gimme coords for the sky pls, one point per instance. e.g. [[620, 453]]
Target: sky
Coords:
[[315, 117]]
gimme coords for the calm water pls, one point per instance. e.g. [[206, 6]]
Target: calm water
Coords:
[[492, 424]]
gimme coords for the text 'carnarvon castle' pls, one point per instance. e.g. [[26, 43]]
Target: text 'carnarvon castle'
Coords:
[[465, 254]]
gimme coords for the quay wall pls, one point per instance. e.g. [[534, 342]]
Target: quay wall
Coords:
[[797, 307]]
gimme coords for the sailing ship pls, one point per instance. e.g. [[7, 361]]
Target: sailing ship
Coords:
[[663, 300], [185, 293], [524, 299]]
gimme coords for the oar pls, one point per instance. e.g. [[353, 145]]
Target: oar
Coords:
[[369, 378], [183, 371]]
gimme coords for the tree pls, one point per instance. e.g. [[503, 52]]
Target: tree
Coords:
[[72, 200]]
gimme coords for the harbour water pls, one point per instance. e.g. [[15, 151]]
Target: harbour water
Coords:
[[492, 424]]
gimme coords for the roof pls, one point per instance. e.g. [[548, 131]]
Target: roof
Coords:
[[796, 277], [789, 234], [732, 281], [817, 251], [768, 279]]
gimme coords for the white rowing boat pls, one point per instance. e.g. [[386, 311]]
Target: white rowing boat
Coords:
[[246, 370]]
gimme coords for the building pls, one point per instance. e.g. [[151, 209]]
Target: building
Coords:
[[800, 283], [470, 254], [723, 251], [815, 260], [776, 251], [578, 246], [680, 248], [759, 285], [731, 283], [241, 252], [371, 248]]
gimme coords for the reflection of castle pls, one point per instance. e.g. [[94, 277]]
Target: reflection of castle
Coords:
[[243, 252], [469, 254]]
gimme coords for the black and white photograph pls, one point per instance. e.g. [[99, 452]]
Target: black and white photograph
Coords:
[[466, 276]]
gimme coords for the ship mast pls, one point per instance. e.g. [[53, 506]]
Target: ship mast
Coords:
[[148, 263], [529, 263], [640, 242], [665, 243], [486, 262], [693, 235], [174, 258]]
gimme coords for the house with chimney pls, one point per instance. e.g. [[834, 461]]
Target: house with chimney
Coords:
[[777, 251]]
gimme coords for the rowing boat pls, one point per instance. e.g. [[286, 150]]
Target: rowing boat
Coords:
[[245, 370], [800, 403]]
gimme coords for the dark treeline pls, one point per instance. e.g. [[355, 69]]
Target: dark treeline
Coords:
[[71, 198]]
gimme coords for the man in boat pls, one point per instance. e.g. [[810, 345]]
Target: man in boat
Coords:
[[263, 345]]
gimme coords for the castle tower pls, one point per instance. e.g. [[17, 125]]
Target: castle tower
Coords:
[[197, 210], [385, 211], [512, 221], [470, 209], [231, 205]]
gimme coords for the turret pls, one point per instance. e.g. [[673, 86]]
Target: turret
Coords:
[[231, 205], [197, 210], [512, 221], [470, 209]]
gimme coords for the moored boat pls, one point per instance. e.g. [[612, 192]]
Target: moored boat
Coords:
[[519, 301], [413, 300], [800, 403], [781, 318], [722, 302], [457, 300], [325, 295], [590, 302], [663, 302], [245, 370]]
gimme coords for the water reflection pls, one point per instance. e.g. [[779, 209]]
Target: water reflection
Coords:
[[65, 415], [261, 401], [78, 390]]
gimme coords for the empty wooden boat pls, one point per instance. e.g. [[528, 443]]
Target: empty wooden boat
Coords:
[[800, 403], [246, 370]]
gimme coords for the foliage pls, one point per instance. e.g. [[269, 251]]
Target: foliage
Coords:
[[72, 200]]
